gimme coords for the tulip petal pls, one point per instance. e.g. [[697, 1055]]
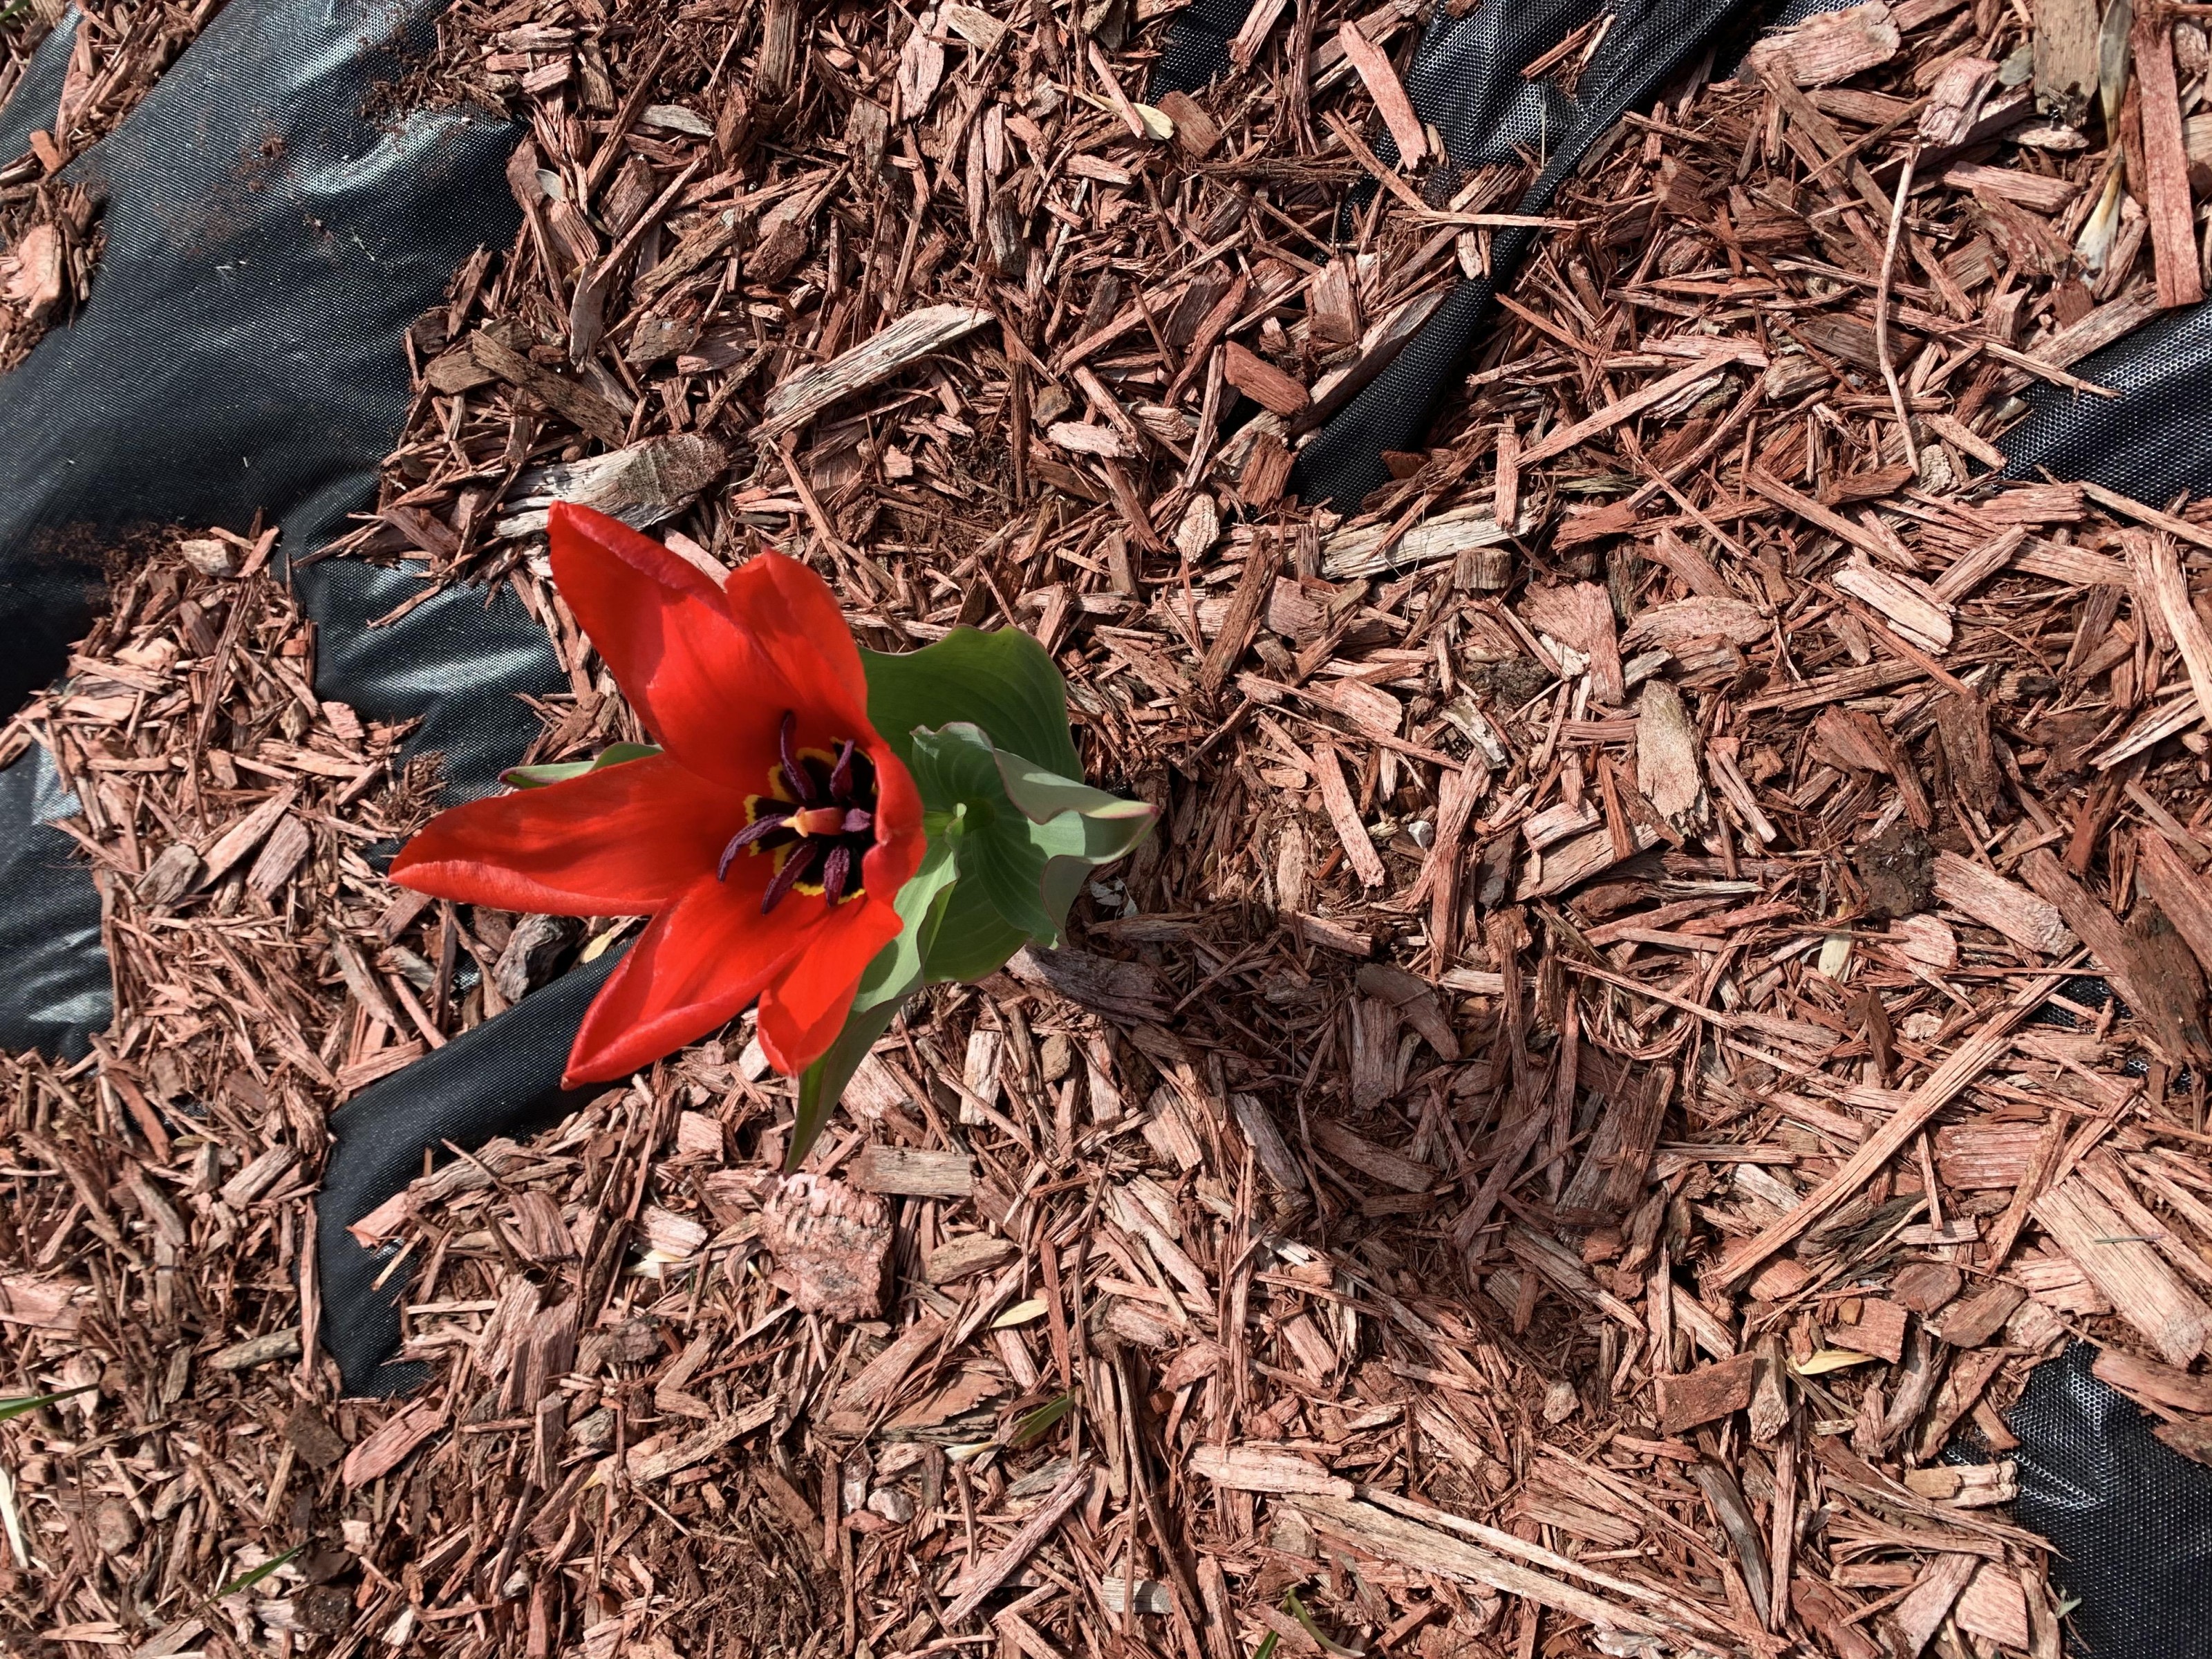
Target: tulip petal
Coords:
[[695, 968], [790, 614], [622, 841], [699, 681], [891, 862], [802, 1011]]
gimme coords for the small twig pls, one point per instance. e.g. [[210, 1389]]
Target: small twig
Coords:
[[1881, 305]]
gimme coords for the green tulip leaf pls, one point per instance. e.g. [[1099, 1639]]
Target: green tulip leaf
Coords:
[[895, 974], [1110, 829], [957, 771], [897, 971], [1026, 836], [1004, 682], [1043, 796], [537, 777], [821, 1085], [972, 940]]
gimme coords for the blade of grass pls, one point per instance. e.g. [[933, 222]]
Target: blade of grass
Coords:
[[17, 1406], [1297, 1609], [248, 1579], [1036, 1424]]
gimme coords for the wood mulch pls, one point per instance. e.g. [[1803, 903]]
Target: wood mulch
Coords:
[[50, 233], [1609, 1066]]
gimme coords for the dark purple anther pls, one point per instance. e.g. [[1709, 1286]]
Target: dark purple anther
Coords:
[[796, 864], [795, 776], [760, 828], [818, 820]]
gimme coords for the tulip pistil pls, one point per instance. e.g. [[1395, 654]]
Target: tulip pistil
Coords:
[[817, 821]]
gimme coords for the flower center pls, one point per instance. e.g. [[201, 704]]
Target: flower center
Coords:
[[817, 821]]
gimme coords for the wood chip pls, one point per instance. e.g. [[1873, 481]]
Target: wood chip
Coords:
[[800, 399], [1708, 1394], [2141, 1287], [1265, 1468]]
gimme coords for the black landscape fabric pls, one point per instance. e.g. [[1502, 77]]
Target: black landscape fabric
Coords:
[[2130, 1519], [240, 353]]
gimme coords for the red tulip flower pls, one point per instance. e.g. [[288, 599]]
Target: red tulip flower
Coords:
[[768, 841]]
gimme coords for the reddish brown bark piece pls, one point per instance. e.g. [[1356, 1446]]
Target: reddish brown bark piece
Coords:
[[1263, 382], [584, 407], [2164, 985], [1925, 1286], [1970, 1323], [829, 1240], [2141, 1287], [1994, 1606], [314, 1438], [385, 1448], [2166, 159], [2162, 588], [2065, 56], [1195, 133], [2148, 1381], [1778, 1280], [2182, 893], [1970, 1373], [1982, 1156], [1635, 403], [1825, 1611], [1881, 1331], [1966, 1063], [784, 1498], [1919, 1614], [1343, 814], [1245, 608], [878, 1380], [1825, 50], [2189, 1439], [914, 1172], [1962, 724], [1581, 615], [1974, 889], [982, 1577], [1375, 71], [1708, 1393], [1390, 1168]]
